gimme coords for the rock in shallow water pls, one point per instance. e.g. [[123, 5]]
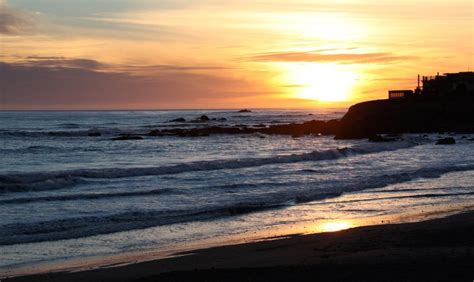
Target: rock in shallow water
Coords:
[[446, 141], [204, 118], [127, 137], [379, 138], [94, 134], [178, 120]]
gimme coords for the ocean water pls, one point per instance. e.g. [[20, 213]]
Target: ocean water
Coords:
[[67, 196]]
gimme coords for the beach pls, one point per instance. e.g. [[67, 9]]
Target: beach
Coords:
[[236, 140], [434, 250], [93, 190]]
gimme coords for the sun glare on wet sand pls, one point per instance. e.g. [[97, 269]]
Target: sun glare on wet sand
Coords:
[[335, 226]]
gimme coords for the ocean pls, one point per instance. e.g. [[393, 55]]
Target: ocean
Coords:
[[69, 192]]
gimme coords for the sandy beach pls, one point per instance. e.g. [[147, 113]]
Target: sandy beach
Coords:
[[264, 140], [434, 250]]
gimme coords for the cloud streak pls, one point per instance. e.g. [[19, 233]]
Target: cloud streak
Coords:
[[62, 83], [12, 22], [90, 64], [317, 57]]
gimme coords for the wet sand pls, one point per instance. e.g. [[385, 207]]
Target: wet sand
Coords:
[[434, 250]]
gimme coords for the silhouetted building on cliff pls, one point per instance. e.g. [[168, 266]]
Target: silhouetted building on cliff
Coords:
[[459, 84], [449, 84], [397, 94]]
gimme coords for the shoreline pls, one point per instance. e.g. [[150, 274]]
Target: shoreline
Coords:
[[443, 241]]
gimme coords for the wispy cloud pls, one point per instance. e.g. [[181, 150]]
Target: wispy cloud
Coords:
[[42, 61], [315, 56], [94, 65], [12, 21], [60, 83]]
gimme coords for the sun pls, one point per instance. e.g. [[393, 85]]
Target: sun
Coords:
[[326, 82]]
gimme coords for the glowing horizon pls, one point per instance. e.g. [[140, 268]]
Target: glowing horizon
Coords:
[[204, 54]]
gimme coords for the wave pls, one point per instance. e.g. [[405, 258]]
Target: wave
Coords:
[[69, 125], [384, 180], [19, 233], [16, 233], [75, 197], [71, 133], [49, 180], [49, 149]]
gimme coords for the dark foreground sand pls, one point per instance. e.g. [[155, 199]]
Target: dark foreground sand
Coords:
[[435, 250]]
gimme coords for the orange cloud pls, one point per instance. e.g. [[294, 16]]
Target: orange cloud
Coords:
[[62, 83], [347, 58]]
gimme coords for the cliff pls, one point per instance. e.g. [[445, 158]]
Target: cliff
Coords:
[[415, 115]]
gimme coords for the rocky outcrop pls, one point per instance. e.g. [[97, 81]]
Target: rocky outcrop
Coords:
[[245, 111], [415, 115], [379, 138], [94, 134], [294, 129], [364, 120], [203, 118], [446, 141], [178, 120], [127, 137]]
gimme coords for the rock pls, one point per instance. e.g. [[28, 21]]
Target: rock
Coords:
[[94, 134], [203, 118], [178, 120], [446, 141], [155, 132], [127, 137], [297, 135], [417, 115], [245, 111], [378, 138]]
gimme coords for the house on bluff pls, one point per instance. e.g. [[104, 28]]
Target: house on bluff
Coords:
[[449, 84]]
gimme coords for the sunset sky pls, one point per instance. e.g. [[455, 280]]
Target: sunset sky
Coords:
[[145, 54]]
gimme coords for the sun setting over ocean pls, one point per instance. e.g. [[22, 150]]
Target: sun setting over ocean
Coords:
[[205, 140], [302, 54]]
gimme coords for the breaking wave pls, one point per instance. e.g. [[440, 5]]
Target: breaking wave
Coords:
[[16, 233], [58, 179]]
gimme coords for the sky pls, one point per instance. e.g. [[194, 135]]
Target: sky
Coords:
[[190, 54]]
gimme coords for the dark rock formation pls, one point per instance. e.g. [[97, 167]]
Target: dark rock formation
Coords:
[[446, 141], [306, 128], [155, 132], [245, 111], [178, 120], [203, 118], [379, 138], [94, 134], [417, 115], [363, 120], [127, 137]]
